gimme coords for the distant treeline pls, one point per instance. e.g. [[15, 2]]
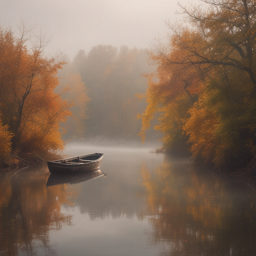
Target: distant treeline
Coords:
[[205, 92], [111, 77]]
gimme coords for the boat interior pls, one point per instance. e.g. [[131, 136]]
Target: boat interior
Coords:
[[80, 159]]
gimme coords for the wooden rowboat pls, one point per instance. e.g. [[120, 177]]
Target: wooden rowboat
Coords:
[[57, 179], [78, 164]]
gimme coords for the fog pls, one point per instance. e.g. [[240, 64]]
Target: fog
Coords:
[[105, 45], [106, 145], [102, 84], [74, 25]]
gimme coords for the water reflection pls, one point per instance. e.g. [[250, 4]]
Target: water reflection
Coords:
[[147, 205], [120, 195], [29, 211], [74, 178], [73, 219], [195, 213]]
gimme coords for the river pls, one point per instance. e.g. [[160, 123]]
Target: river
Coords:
[[144, 204]]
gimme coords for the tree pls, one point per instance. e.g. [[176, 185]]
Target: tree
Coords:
[[215, 59], [172, 89], [29, 105]]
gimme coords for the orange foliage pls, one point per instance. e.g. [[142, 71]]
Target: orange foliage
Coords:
[[171, 89], [29, 105], [5, 141], [205, 85], [201, 127]]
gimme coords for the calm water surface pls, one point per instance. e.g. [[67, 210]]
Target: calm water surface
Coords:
[[147, 204]]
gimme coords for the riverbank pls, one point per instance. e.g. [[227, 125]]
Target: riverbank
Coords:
[[14, 161]]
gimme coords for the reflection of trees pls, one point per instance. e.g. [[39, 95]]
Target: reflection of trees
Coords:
[[117, 197], [28, 211], [119, 194], [192, 214]]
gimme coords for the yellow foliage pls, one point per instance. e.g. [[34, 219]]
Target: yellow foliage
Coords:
[[201, 128]]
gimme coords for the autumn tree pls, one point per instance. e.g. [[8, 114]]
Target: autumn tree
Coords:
[[30, 108], [212, 64], [172, 89]]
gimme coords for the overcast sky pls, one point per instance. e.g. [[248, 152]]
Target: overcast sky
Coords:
[[71, 25]]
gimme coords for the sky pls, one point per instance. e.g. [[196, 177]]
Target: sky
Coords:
[[72, 25]]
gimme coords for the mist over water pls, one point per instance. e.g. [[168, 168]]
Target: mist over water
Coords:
[[106, 145], [146, 204], [194, 88]]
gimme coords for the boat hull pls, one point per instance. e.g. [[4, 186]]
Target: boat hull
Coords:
[[72, 165]]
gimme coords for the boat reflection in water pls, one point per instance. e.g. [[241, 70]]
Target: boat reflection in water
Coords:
[[57, 179]]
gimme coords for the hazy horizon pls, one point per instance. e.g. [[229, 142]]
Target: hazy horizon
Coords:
[[74, 25]]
